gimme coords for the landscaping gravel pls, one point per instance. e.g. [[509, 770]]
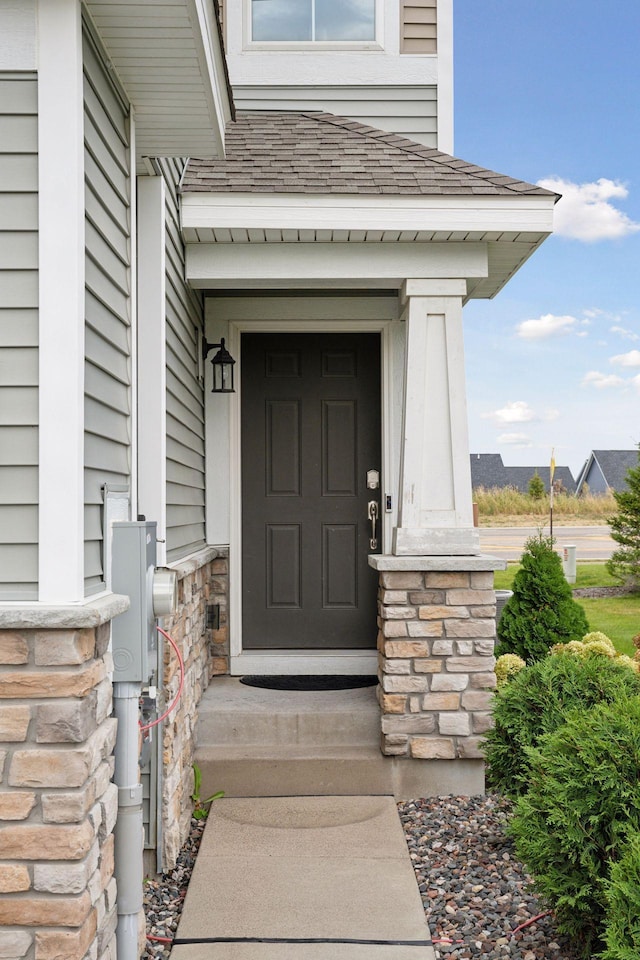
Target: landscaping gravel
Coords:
[[164, 897], [474, 890]]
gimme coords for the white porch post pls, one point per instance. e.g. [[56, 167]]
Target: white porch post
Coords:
[[436, 513], [152, 365], [61, 302]]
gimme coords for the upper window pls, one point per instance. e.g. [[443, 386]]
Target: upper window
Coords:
[[313, 20]]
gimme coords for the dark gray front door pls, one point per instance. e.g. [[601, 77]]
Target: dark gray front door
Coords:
[[310, 433]]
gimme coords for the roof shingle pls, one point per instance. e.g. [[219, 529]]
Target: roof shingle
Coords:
[[318, 153]]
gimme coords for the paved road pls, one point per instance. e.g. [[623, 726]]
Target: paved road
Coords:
[[592, 543]]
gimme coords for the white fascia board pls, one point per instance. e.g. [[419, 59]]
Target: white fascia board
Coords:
[[295, 211], [237, 265], [211, 57]]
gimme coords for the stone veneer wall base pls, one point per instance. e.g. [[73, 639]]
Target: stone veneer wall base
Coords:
[[436, 638], [203, 580], [58, 806]]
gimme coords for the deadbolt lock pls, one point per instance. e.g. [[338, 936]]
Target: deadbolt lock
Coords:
[[373, 479]]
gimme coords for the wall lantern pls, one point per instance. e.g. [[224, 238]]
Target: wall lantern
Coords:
[[222, 364]]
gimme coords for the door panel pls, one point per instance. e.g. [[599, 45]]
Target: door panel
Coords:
[[310, 432]]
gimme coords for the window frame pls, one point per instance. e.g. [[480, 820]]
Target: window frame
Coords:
[[313, 45]]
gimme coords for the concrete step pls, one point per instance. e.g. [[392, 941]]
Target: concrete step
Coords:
[[232, 713], [267, 743], [285, 771]]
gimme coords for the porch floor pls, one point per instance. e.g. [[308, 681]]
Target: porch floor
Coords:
[[274, 873], [267, 743]]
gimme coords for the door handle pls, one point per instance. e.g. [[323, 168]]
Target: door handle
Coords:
[[372, 512]]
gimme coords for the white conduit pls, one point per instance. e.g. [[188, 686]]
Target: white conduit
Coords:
[[129, 828]]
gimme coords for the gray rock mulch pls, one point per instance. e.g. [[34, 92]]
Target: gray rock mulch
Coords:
[[474, 890], [602, 591]]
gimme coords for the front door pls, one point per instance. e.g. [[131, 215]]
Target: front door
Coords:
[[310, 435]]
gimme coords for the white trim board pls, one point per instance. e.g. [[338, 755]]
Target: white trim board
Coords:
[[330, 264], [152, 369], [61, 299], [294, 662], [345, 212]]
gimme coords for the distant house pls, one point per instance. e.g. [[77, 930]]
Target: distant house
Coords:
[[606, 470], [488, 470]]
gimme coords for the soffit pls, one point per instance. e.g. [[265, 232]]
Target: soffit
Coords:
[[169, 58]]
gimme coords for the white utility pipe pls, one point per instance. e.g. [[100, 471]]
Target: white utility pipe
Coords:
[[129, 828]]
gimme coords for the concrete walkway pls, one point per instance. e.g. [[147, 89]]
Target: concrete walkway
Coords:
[[273, 873]]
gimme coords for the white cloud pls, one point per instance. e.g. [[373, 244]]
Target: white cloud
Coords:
[[624, 333], [585, 211], [631, 359], [601, 380], [516, 411], [636, 382], [551, 414], [515, 439], [548, 325]]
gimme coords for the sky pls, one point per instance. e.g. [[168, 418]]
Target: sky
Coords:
[[549, 91]]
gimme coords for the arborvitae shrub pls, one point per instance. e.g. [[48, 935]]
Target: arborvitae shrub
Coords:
[[537, 701], [536, 487], [622, 892], [542, 610], [624, 563], [581, 810]]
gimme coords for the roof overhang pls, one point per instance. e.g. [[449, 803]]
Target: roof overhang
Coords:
[[169, 58], [277, 240]]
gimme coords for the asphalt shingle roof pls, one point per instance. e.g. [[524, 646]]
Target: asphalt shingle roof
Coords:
[[316, 152], [615, 464], [488, 470]]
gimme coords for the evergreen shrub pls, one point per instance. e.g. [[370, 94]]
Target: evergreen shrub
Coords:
[[624, 563], [622, 892], [536, 487], [537, 701], [582, 808], [542, 610]]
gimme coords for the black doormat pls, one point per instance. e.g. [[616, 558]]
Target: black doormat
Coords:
[[309, 683]]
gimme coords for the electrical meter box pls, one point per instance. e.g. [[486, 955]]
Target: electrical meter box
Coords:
[[134, 634]]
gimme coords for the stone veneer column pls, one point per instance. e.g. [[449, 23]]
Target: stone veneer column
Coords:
[[202, 581], [58, 805], [436, 665]]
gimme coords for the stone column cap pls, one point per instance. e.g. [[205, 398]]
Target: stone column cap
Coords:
[[444, 564], [47, 616]]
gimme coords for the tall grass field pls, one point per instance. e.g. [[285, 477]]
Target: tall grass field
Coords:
[[504, 506]]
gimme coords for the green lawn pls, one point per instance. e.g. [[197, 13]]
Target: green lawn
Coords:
[[587, 575], [618, 617]]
